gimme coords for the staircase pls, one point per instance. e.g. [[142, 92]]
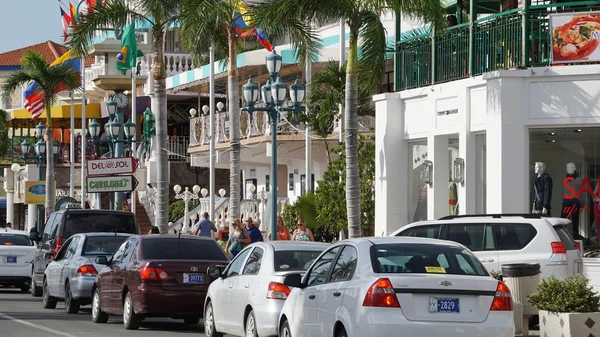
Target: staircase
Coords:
[[142, 217]]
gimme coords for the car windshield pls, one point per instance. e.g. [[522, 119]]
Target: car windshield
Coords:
[[102, 245], [182, 249], [294, 259], [11, 239], [89, 222], [418, 258]]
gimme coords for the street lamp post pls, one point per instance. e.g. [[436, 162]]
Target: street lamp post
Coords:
[[118, 134], [273, 95], [186, 196], [39, 157]]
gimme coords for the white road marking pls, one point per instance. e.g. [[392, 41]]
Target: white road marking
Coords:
[[39, 327]]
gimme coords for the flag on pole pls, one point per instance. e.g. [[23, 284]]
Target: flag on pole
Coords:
[[127, 58], [34, 97], [66, 23], [243, 20]]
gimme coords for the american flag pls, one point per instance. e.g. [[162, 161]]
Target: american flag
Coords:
[[34, 100]]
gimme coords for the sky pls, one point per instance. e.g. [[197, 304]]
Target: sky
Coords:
[[27, 22]]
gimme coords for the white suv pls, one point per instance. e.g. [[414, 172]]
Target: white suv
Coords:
[[498, 239]]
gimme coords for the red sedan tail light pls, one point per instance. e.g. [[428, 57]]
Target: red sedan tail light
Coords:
[[153, 274]]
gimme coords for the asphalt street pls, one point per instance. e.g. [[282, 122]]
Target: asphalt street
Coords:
[[22, 315]]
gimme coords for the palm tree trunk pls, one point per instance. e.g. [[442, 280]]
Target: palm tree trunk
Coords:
[[351, 141], [50, 193], [328, 152], [159, 108], [234, 128]]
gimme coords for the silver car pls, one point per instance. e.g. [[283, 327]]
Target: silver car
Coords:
[[72, 272], [246, 297]]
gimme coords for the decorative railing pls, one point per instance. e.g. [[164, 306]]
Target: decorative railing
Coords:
[[497, 43], [177, 147]]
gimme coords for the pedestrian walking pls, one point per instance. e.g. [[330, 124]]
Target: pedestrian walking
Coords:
[[253, 231], [238, 238], [282, 232], [302, 233], [204, 227]]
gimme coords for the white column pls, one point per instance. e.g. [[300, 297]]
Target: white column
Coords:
[[467, 150], [507, 147], [10, 206], [437, 193], [72, 149], [211, 132], [307, 137], [391, 165], [83, 135]]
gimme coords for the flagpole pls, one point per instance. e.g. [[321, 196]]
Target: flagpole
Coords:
[[72, 148], [83, 134], [134, 121], [211, 104]]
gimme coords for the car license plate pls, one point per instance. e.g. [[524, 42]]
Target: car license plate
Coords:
[[444, 305], [11, 259], [193, 278]]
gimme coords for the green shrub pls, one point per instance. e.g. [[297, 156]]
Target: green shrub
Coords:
[[497, 275], [571, 295], [176, 210]]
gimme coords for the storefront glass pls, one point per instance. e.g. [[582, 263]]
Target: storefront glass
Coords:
[[417, 190], [453, 202], [564, 169], [481, 172]]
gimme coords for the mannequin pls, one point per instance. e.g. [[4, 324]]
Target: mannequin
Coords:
[[571, 206], [541, 190], [452, 198]]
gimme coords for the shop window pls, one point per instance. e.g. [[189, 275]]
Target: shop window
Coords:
[[453, 202], [564, 167], [481, 174], [417, 189]]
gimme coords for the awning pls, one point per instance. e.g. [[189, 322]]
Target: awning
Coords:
[[61, 112]]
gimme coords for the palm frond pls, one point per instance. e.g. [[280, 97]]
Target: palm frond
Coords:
[[161, 11], [16, 81], [372, 50], [33, 61], [419, 31], [429, 11]]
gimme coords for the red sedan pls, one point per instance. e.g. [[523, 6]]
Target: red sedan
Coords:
[[155, 276]]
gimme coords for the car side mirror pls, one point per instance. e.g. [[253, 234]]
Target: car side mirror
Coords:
[[102, 260], [35, 236], [48, 256], [293, 280], [214, 272]]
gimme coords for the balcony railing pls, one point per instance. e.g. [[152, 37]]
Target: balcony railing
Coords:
[[177, 147], [497, 43], [249, 128]]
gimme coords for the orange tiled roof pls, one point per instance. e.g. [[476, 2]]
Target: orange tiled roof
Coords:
[[50, 50]]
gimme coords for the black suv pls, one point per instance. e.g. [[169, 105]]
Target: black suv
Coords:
[[63, 224]]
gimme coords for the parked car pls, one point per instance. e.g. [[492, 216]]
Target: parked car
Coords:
[[72, 273], [16, 255], [155, 276], [246, 298], [508, 238], [62, 224], [382, 286]]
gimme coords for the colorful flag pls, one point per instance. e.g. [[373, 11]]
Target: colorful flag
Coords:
[[34, 97], [243, 20], [66, 23], [127, 58]]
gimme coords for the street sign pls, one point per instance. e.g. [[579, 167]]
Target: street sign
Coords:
[[111, 184], [111, 166]]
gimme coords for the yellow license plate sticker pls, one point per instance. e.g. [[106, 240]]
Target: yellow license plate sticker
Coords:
[[439, 270]]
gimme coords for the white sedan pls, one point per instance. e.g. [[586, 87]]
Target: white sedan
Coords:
[[245, 298], [386, 286], [16, 254]]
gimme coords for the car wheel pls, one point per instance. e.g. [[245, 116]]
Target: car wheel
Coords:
[[209, 322], [191, 320], [342, 333], [251, 325], [131, 320], [34, 290], [98, 316], [25, 288], [71, 304], [48, 302], [285, 330]]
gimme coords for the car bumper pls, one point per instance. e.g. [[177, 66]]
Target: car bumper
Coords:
[[379, 323], [15, 274], [560, 271], [267, 317], [81, 287], [160, 302]]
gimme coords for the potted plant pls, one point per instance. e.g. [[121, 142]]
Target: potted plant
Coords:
[[567, 307]]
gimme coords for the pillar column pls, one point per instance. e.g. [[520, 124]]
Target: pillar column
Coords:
[[32, 216], [391, 165], [437, 193], [467, 150], [9, 187]]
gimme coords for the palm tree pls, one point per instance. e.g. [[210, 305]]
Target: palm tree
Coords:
[[51, 80], [206, 21], [159, 14], [326, 94], [5, 140], [362, 18]]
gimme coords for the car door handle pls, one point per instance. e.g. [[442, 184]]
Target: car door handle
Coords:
[[247, 286], [230, 286], [488, 260], [311, 297], [337, 294]]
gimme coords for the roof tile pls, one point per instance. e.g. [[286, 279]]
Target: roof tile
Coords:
[[50, 50]]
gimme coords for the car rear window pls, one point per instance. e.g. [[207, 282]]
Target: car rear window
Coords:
[[90, 222], [182, 249], [14, 240], [565, 237], [102, 245], [419, 258], [294, 260]]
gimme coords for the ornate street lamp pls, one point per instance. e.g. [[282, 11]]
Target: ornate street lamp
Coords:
[[94, 129]]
